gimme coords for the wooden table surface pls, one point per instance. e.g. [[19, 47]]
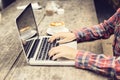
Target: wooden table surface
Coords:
[[13, 66]]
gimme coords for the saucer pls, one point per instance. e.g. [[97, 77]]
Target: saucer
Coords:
[[52, 31]]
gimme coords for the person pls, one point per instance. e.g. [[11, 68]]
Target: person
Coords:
[[99, 63]]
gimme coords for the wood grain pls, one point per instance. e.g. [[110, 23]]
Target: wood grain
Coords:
[[13, 66]]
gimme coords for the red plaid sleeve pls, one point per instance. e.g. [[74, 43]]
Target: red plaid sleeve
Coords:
[[105, 65], [102, 31]]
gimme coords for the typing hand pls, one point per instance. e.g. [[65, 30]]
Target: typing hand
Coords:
[[63, 51], [64, 37]]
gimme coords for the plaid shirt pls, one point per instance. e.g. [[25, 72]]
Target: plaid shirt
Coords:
[[106, 65]]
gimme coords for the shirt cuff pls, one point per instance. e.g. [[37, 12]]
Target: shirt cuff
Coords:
[[76, 35], [78, 60]]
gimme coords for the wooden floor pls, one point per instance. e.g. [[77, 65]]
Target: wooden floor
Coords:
[[13, 66]]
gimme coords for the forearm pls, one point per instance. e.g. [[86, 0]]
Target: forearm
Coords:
[[100, 31], [94, 33], [102, 64]]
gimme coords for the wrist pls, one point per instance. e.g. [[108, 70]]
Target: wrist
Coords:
[[75, 55], [74, 36]]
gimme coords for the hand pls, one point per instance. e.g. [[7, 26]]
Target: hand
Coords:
[[63, 51], [64, 37]]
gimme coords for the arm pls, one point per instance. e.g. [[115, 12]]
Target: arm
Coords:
[[102, 31], [106, 65], [101, 64]]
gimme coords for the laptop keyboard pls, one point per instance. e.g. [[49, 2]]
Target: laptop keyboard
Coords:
[[43, 49], [27, 46]]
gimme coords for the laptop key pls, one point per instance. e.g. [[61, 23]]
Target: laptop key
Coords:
[[27, 46], [47, 50], [50, 46], [34, 48], [44, 49], [41, 48], [54, 44]]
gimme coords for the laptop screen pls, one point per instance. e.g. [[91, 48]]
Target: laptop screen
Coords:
[[26, 23], [27, 28]]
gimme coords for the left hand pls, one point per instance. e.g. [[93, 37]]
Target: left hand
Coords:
[[63, 51], [64, 37]]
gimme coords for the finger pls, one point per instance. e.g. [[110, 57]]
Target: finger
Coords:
[[63, 41], [53, 51], [53, 38], [56, 56]]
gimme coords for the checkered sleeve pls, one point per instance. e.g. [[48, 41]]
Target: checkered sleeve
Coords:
[[102, 31], [101, 64]]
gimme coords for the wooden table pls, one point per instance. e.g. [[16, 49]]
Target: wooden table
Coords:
[[13, 66]]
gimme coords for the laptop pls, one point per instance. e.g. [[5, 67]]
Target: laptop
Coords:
[[36, 47]]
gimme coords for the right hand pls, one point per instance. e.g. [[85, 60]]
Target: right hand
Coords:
[[63, 51], [64, 37]]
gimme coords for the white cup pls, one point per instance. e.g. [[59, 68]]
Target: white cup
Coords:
[[51, 8]]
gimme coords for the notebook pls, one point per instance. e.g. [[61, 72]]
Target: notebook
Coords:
[[36, 47]]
